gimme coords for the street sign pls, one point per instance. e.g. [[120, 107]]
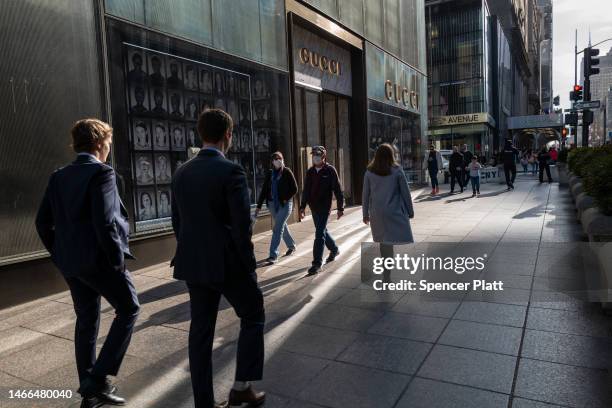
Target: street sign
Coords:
[[587, 105]]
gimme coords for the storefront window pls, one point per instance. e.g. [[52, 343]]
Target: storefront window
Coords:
[[50, 78], [167, 83]]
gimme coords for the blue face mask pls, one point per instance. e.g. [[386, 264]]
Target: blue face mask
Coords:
[[317, 160]]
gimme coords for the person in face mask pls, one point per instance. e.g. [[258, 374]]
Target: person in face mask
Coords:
[[277, 191], [320, 184]]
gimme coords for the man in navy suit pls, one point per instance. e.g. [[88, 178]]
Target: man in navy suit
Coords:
[[83, 225], [211, 216]]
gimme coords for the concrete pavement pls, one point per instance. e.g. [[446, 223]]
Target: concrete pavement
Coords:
[[328, 346]]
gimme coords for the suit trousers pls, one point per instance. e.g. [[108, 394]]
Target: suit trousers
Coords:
[[243, 293], [456, 175], [118, 289], [510, 172]]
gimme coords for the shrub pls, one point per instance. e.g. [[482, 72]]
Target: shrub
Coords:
[[579, 159], [598, 180]]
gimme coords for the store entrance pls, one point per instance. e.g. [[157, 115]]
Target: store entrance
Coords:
[[322, 118]]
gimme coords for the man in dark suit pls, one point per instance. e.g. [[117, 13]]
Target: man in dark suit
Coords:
[[211, 216], [83, 225]]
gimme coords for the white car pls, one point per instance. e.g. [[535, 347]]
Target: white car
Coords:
[[445, 158]]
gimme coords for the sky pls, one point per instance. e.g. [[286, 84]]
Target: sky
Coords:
[[584, 15]]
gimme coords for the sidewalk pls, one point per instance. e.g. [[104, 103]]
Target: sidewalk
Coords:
[[327, 347]]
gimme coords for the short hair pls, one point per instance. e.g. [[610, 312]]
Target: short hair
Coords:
[[277, 154], [87, 133], [213, 124]]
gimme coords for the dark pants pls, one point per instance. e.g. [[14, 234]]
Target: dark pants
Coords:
[[475, 184], [458, 176], [547, 167], [510, 172], [322, 238], [243, 293], [119, 290], [433, 175]]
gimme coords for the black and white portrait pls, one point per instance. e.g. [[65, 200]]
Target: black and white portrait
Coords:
[[205, 104], [262, 142], [162, 169], [144, 169], [191, 77], [159, 103], [244, 88], [260, 168], [136, 67], [178, 136], [219, 84], [230, 84], [163, 203], [245, 114], [232, 110], [262, 111], [206, 81], [220, 104], [161, 141], [176, 104], [157, 70], [174, 79], [192, 137], [139, 98], [245, 140], [140, 135], [259, 90], [191, 107], [146, 205], [247, 165]]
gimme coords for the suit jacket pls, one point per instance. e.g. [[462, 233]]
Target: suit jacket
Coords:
[[211, 217], [82, 221]]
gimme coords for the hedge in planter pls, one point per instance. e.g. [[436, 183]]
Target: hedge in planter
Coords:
[[598, 180]]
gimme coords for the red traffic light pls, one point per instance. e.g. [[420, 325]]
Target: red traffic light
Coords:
[[564, 132], [577, 88]]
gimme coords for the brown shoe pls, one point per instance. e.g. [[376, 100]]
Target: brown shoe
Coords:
[[248, 397]]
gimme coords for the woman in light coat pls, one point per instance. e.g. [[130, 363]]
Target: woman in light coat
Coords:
[[387, 204]]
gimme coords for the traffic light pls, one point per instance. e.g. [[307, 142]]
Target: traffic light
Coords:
[[576, 94], [564, 132], [571, 119], [587, 117], [590, 62]]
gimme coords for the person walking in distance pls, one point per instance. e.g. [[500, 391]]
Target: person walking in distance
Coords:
[[211, 218], [320, 184], [433, 164], [387, 204], [83, 224], [467, 160], [277, 191], [509, 156], [474, 171], [544, 164], [456, 168]]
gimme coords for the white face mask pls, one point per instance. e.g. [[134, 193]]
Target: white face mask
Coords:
[[277, 164], [317, 160]]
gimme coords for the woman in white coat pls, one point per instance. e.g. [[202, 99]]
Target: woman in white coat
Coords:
[[387, 204]]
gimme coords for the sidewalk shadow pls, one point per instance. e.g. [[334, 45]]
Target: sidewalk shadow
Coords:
[[533, 212]]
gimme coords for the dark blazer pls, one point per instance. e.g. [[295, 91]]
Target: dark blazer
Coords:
[[82, 221], [211, 217], [287, 187], [329, 184]]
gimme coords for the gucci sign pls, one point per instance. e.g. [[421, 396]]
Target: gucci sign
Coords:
[[322, 62], [401, 94]]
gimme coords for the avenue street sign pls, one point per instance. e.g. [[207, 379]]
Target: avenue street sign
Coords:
[[587, 105]]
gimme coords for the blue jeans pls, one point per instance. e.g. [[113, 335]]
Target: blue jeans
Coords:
[[322, 238], [280, 228], [433, 175], [475, 184]]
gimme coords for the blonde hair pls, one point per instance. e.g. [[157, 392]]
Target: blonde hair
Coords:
[[87, 133]]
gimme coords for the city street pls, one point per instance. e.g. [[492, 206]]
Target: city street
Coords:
[[328, 344]]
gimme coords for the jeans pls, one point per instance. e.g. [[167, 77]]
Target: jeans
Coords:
[[322, 238], [433, 175], [280, 228], [534, 168], [544, 167], [475, 184]]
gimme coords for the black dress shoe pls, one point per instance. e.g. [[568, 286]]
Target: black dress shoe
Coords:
[[248, 397], [97, 392], [332, 256], [290, 251], [314, 269]]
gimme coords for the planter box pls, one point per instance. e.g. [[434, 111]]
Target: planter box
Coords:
[[573, 179], [599, 278], [583, 203], [563, 174], [596, 225], [576, 189]]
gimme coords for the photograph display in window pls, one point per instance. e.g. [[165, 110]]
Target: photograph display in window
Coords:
[[164, 96]]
